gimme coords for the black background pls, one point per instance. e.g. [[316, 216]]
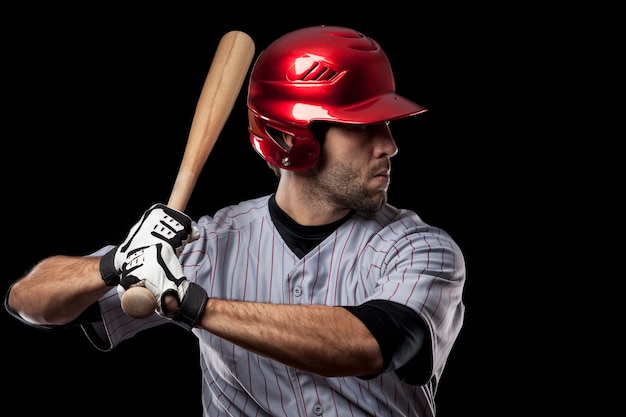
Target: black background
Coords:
[[98, 105]]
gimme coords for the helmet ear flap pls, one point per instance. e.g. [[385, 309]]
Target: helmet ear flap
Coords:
[[269, 142], [318, 129], [279, 137]]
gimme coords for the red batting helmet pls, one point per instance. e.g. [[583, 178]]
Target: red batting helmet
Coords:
[[321, 73]]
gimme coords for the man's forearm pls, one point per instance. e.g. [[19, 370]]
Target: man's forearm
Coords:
[[58, 289], [325, 340]]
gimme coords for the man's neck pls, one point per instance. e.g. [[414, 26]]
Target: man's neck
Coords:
[[304, 207]]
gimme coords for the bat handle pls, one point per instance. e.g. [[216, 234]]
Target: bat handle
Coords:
[[138, 301]]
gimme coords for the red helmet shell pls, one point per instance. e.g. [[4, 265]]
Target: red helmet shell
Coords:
[[321, 73]]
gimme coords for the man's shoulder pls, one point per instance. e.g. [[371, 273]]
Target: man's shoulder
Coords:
[[392, 221], [239, 214], [389, 214]]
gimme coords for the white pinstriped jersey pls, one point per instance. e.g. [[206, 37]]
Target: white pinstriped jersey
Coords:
[[389, 255]]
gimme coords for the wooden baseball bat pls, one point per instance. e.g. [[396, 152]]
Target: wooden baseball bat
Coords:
[[222, 85]]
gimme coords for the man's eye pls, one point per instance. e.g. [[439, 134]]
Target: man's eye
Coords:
[[364, 128], [361, 128]]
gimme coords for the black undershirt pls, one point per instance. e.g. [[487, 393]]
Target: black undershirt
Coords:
[[301, 239], [400, 332]]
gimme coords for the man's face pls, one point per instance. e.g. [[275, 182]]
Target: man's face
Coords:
[[354, 168]]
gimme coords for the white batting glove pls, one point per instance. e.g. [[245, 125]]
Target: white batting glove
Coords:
[[158, 224], [157, 268]]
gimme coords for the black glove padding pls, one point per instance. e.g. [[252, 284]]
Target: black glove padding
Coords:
[[157, 268], [158, 224]]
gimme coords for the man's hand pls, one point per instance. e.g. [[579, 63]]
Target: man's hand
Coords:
[[158, 269], [158, 225]]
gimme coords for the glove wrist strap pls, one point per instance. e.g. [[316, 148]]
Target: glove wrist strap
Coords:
[[107, 268], [192, 307]]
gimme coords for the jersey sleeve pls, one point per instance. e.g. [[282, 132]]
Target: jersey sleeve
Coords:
[[401, 336], [114, 326], [422, 268]]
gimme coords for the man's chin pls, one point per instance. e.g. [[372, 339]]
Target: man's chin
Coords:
[[377, 203]]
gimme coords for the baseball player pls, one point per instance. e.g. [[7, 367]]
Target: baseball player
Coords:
[[320, 299]]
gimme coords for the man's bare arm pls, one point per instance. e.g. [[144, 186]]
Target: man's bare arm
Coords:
[[324, 340], [58, 289]]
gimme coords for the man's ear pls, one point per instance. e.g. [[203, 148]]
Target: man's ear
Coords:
[[288, 139], [283, 139]]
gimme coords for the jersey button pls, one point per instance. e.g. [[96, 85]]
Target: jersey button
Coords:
[[297, 291], [318, 410]]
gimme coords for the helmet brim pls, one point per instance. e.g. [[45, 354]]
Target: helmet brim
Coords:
[[385, 107]]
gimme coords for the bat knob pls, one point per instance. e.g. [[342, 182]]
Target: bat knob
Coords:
[[138, 302]]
